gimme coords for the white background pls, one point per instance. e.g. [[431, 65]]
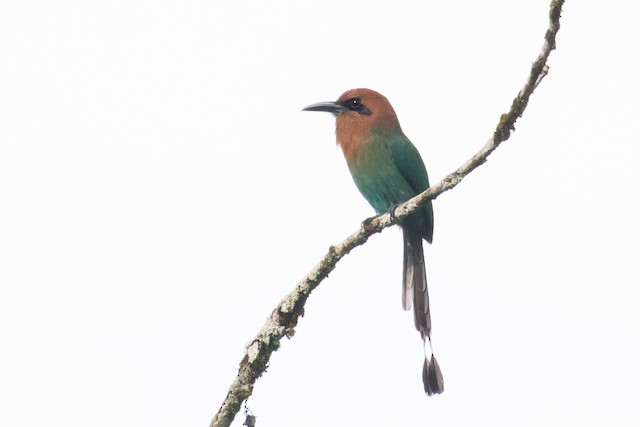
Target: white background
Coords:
[[161, 191]]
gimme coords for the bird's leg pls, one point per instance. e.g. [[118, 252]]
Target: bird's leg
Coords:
[[392, 211], [367, 222]]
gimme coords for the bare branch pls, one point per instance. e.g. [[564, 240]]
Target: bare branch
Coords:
[[284, 318]]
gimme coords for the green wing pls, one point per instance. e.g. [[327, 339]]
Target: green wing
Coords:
[[408, 161]]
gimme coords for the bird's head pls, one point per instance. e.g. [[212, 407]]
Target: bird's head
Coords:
[[359, 113], [360, 106]]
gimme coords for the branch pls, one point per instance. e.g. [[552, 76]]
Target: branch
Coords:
[[284, 318]]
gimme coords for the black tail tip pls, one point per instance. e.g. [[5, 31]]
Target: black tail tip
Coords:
[[432, 377]]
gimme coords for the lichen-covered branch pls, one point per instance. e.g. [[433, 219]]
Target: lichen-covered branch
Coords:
[[284, 317]]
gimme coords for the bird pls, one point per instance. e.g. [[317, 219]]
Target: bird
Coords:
[[388, 170]]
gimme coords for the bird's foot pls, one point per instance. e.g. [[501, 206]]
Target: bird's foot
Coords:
[[367, 222], [392, 211]]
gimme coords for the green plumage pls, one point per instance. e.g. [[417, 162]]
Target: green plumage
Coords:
[[388, 170]]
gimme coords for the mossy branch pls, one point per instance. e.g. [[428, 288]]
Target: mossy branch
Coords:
[[284, 317]]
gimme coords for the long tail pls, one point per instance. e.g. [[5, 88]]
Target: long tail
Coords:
[[414, 289]]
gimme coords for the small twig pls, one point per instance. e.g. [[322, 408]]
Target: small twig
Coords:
[[284, 318]]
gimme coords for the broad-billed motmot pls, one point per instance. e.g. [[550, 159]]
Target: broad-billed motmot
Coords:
[[388, 170]]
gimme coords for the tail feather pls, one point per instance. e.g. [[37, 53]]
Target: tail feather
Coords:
[[414, 290], [432, 377], [408, 274]]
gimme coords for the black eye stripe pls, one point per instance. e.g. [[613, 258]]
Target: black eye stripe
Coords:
[[355, 104]]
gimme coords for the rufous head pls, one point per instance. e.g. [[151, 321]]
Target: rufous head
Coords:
[[359, 114]]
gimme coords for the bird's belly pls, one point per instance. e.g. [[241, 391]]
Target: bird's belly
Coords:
[[383, 190]]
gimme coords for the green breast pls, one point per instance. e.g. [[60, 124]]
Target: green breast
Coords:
[[388, 170]]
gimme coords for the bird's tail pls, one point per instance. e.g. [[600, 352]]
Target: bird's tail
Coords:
[[414, 290]]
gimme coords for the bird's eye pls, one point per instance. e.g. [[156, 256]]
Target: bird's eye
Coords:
[[355, 104]]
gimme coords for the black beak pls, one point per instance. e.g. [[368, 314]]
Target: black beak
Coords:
[[330, 107]]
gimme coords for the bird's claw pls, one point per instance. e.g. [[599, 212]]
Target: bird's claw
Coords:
[[392, 211], [367, 222]]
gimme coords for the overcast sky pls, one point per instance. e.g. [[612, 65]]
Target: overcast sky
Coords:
[[161, 191]]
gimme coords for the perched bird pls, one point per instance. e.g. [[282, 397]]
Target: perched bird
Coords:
[[388, 170]]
